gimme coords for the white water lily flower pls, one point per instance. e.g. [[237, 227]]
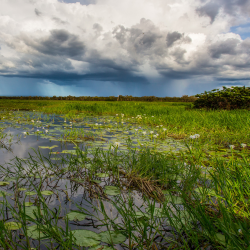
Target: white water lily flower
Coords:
[[37, 130], [161, 125], [46, 131], [194, 136], [154, 136], [117, 144], [132, 117], [232, 146], [32, 121], [157, 126], [136, 129], [96, 124], [152, 116], [122, 115], [164, 129], [243, 145], [144, 132], [116, 114], [157, 134], [24, 133], [151, 132]]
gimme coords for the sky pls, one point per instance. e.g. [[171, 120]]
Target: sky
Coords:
[[133, 47]]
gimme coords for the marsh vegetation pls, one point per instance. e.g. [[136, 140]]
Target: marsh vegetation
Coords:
[[123, 175]]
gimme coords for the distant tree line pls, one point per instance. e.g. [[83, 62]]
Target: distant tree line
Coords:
[[184, 98]]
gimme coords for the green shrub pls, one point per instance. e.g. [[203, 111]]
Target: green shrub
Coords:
[[227, 98]]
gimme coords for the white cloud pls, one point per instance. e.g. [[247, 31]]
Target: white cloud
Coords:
[[114, 40]]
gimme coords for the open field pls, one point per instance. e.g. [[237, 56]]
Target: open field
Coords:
[[126, 175]]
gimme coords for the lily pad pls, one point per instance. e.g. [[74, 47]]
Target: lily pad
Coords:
[[101, 247], [28, 204], [112, 237], [2, 193], [76, 216], [96, 181], [4, 183], [140, 214], [31, 211], [45, 147], [35, 233], [30, 193], [112, 190], [10, 179], [102, 175], [12, 225], [158, 212], [86, 238], [47, 192]]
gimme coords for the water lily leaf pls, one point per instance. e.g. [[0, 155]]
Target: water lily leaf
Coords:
[[35, 233], [4, 183], [140, 214], [112, 237], [101, 247], [31, 211], [73, 152], [12, 225], [176, 199], [10, 179], [76, 216], [158, 212], [102, 175], [28, 204], [96, 181], [86, 238], [30, 193], [2, 193], [111, 190], [47, 192], [22, 189]]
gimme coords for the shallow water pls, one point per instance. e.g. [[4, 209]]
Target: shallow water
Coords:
[[103, 132]]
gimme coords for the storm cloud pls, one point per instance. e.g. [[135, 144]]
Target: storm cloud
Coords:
[[137, 42]]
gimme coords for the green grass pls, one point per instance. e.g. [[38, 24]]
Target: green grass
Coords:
[[210, 180]]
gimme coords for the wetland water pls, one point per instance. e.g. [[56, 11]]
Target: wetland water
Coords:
[[48, 162]]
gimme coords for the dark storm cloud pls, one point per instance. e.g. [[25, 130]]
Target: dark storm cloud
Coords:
[[38, 13], [173, 37], [232, 79], [63, 77], [232, 7], [225, 47], [59, 43]]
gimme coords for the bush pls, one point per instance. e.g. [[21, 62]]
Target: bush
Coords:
[[227, 98]]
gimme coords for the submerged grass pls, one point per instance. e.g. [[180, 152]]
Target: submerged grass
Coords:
[[134, 199]]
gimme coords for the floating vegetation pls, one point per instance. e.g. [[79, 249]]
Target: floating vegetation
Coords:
[[157, 180]]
